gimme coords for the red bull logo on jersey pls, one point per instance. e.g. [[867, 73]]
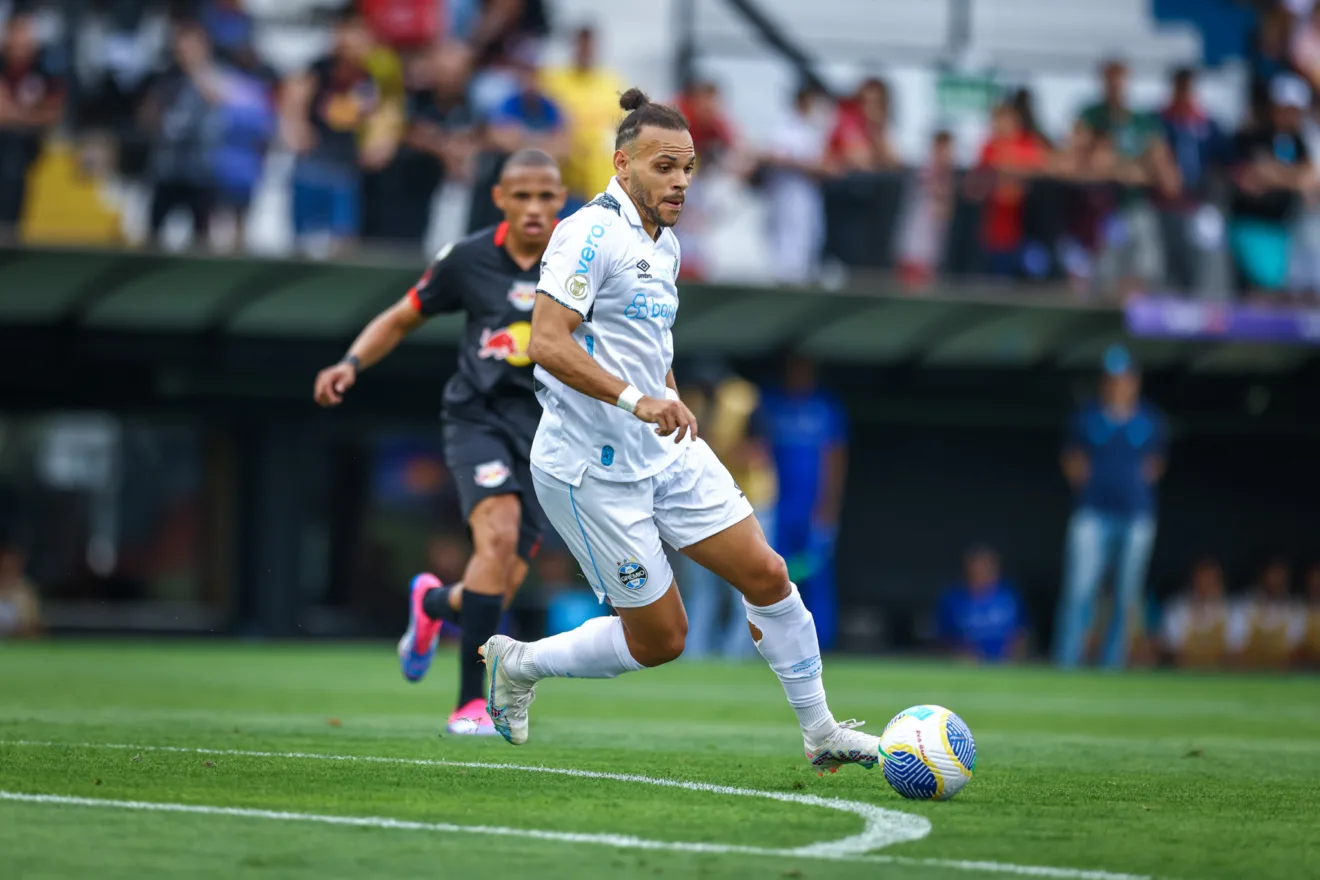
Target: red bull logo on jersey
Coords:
[[508, 344], [523, 295]]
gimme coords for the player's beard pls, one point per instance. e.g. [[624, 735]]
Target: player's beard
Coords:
[[649, 212]]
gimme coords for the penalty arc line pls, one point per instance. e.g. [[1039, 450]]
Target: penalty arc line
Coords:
[[882, 826]]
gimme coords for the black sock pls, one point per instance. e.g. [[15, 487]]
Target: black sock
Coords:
[[481, 620], [436, 604]]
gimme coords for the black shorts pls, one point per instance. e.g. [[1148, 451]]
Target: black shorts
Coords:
[[488, 452]]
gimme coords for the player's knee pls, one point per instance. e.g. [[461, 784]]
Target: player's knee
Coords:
[[663, 648], [495, 527], [766, 581], [497, 539]]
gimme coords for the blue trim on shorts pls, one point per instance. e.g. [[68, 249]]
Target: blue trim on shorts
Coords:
[[590, 555]]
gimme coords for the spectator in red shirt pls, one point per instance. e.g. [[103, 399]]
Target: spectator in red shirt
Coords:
[[712, 135], [1008, 159], [860, 140], [719, 152]]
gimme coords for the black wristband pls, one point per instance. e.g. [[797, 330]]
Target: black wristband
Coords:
[[352, 361]]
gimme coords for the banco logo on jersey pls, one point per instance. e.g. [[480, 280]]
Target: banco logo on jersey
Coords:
[[508, 344], [632, 574], [643, 307], [522, 295]]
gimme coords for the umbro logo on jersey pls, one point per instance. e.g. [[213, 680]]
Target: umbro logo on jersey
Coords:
[[643, 269]]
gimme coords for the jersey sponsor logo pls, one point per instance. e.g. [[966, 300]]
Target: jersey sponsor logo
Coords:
[[577, 285], [523, 295], [491, 474], [607, 455], [643, 307], [643, 270], [508, 344], [632, 574], [591, 246]]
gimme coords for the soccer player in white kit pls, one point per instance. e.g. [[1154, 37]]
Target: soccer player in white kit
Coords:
[[617, 464]]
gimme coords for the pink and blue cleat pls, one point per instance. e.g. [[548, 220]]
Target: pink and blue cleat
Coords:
[[417, 647]]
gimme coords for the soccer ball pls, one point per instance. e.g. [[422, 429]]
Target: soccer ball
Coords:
[[929, 753]]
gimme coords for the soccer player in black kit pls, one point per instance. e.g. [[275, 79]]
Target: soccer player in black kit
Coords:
[[489, 416]]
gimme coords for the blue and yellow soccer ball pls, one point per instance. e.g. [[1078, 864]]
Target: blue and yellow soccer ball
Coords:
[[929, 753]]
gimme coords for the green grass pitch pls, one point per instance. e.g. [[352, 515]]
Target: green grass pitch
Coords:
[[1149, 775]]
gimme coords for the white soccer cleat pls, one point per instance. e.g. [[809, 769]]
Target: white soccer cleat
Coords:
[[510, 694], [845, 744]]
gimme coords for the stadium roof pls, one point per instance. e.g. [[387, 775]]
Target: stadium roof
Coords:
[[870, 321]]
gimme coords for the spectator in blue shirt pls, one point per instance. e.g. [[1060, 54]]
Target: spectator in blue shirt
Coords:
[[1113, 458], [982, 617], [529, 119], [808, 435], [1197, 144], [526, 119]]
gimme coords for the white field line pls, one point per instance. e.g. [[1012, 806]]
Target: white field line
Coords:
[[882, 826]]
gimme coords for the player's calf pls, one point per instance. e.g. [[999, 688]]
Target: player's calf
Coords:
[[494, 523]]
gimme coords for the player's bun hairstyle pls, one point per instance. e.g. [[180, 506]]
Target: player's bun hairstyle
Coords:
[[641, 111]]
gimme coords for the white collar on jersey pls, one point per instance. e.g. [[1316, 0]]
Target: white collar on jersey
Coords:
[[625, 203]]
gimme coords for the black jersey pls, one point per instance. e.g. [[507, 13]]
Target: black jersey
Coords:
[[476, 275]]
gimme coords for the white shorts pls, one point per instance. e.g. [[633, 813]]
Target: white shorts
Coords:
[[615, 529]]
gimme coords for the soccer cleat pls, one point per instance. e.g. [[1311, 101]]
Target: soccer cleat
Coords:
[[471, 719], [417, 647], [845, 744], [510, 693]]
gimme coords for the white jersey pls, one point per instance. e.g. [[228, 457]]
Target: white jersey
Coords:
[[602, 264]]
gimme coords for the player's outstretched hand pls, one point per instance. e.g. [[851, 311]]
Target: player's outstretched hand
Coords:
[[333, 382], [668, 416]]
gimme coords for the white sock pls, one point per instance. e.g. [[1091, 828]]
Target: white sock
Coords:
[[596, 649], [788, 643]]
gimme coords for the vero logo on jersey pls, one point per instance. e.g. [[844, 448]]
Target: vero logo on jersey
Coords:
[[592, 245]]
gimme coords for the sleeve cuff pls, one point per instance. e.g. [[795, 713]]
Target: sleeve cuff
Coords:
[[415, 300], [562, 300]]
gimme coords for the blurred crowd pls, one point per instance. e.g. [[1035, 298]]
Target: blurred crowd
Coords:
[[1114, 456], [1271, 624], [1130, 199], [179, 99]]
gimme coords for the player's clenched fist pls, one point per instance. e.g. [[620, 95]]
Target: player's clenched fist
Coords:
[[668, 416], [332, 382]]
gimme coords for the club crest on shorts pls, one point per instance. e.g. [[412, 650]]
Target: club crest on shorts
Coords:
[[632, 574], [491, 474]]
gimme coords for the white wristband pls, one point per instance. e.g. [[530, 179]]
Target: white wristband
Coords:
[[628, 398], [670, 394]]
